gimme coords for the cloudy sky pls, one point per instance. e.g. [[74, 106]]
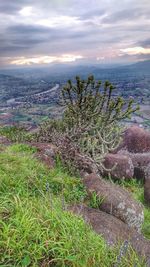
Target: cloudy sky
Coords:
[[36, 32]]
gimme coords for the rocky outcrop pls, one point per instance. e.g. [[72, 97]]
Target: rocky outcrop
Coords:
[[140, 163], [120, 166], [46, 153], [113, 230], [136, 140], [134, 149], [116, 200]]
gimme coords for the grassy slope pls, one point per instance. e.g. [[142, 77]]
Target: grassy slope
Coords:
[[35, 228]]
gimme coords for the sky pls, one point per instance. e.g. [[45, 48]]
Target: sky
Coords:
[[37, 32]]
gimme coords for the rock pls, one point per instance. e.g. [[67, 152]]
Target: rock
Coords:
[[147, 186], [140, 162], [136, 140], [121, 165], [46, 152], [114, 230], [46, 148], [116, 200]]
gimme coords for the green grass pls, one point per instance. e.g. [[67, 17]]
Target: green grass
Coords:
[[35, 227], [14, 133]]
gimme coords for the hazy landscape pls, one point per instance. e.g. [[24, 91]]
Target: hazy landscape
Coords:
[[31, 95], [74, 133]]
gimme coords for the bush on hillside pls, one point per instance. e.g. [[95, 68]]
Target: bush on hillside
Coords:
[[92, 115]]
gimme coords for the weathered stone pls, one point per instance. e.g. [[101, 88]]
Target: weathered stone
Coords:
[[46, 153], [120, 166], [140, 162], [114, 230], [136, 140], [116, 200]]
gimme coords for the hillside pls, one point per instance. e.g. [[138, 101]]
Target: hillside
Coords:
[[76, 190], [36, 228]]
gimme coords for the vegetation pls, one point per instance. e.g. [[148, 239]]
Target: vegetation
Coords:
[[91, 118], [14, 133], [35, 227], [92, 114]]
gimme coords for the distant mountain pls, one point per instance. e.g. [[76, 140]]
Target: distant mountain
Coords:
[[68, 71], [141, 64]]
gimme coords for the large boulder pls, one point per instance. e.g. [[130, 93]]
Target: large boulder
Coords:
[[119, 166], [140, 162], [113, 230], [136, 140], [116, 200]]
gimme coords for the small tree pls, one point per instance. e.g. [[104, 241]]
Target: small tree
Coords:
[[92, 114]]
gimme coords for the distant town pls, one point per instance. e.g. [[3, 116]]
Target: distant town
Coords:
[[31, 96]]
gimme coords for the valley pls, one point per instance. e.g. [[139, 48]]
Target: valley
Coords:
[[30, 96]]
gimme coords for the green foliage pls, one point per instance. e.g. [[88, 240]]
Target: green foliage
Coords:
[[95, 201], [86, 101], [146, 225], [22, 148], [48, 129], [35, 228], [92, 114], [32, 174], [14, 133]]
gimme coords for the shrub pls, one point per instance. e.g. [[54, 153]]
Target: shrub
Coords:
[[92, 115]]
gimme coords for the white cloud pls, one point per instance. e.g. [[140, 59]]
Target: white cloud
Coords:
[[136, 50], [59, 21], [45, 59], [26, 11]]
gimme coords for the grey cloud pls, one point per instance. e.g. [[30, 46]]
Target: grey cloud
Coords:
[[125, 15], [12, 6], [28, 37], [145, 43], [27, 29], [92, 13], [22, 37]]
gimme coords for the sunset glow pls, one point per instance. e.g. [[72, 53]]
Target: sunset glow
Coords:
[[136, 51], [45, 60]]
